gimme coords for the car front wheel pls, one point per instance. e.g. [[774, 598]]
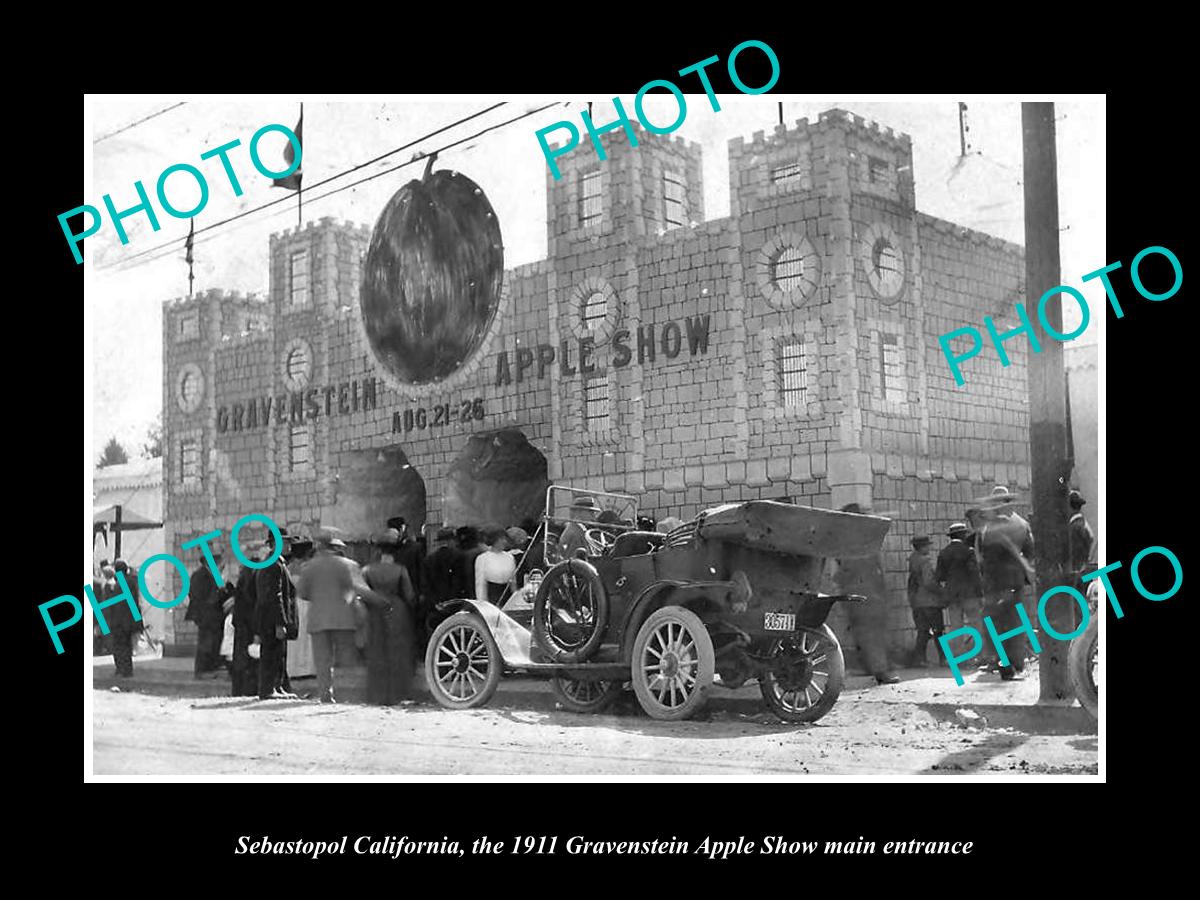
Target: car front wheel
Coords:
[[462, 663], [673, 664]]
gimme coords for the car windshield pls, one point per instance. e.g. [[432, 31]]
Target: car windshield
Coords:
[[577, 519]]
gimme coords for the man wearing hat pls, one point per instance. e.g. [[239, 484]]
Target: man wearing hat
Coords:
[[441, 570], [957, 573], [1081, 541], [409, 553], [120, 621], [244, 680], [275, 621], [1004, 544], [574, 535], [924, 596], [328, 585], [206, 609]]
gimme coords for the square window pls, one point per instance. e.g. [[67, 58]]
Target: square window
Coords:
[[299, 278], [189, 326], [596, 392], [793, 373], [789, 174], [892, 381], [189, 462], [674, 200], [878, 170], [591, 208], [299, 449]]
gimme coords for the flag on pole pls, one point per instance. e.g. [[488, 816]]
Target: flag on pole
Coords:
[[292, 182]]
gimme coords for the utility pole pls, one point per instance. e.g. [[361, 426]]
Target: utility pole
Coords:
[[1048, 441], [117, 530]]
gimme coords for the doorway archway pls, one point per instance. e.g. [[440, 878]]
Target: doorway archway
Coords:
[[499, 477], [372, 487]]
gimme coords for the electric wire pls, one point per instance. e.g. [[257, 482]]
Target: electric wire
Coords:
[[105, 137], [168, 247]]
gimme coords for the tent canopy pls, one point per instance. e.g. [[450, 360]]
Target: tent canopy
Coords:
[[130, 520]]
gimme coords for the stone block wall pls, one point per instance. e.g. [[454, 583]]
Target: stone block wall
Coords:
[[693, 425]]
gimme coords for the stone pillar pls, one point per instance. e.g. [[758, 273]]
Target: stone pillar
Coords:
[[848, 464]]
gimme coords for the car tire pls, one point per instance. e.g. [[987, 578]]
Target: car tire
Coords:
[[1080, 666], [458, 648], [580, 696], [672, 637], [573, 587], [816, 678]]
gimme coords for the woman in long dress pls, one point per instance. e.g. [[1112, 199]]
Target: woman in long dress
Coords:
[[300, 661], [390, 637]]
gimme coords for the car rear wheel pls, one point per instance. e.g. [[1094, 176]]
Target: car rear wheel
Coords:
[[673, 664], [807, 675], [1083, 662], [462, 664], [582, 696]]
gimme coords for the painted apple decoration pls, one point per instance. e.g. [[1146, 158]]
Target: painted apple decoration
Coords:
[[432, 275]]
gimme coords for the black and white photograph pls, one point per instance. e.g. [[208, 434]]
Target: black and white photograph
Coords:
[[677, 435]]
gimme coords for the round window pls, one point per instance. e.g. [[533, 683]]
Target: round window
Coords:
[[297, 364], [595, 310], [789, 271], [189, 388]]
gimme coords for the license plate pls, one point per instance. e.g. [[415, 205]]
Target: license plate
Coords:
[[776, 621]]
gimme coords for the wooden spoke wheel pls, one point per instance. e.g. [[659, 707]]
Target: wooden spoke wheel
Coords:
[[807, 674], [582, 696], [570, 612], [462, 663], [673, 664]]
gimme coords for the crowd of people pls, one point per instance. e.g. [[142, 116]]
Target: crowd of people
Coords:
[[383, 612], [981, 572]]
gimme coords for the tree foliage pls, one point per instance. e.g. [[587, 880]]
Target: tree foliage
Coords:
[[114, 454], [153, 446]]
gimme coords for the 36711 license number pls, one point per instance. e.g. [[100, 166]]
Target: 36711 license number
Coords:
[[777, 621], [438, 416]]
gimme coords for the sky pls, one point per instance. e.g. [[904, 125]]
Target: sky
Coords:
[[981, 191]]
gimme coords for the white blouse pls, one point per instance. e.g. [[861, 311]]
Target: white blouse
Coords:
[[495, 567]]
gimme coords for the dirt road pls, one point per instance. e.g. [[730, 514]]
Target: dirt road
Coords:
[[139, 734]]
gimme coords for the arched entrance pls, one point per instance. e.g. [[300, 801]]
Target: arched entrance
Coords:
[[499, 478], [372, 487]]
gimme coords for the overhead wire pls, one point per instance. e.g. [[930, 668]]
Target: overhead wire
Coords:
[[168, 247], [155, 115]]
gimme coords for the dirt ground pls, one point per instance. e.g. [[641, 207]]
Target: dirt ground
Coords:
[[140, 734]]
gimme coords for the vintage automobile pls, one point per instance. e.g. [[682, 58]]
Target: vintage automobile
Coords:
[[731, 596]]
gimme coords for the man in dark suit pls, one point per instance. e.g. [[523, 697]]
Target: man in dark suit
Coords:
[[1004, 542], [205, 608], [245, 667], [958, 574], [1081, 540], [275, 618], [121, 626], [925, 599], [411, 555]]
